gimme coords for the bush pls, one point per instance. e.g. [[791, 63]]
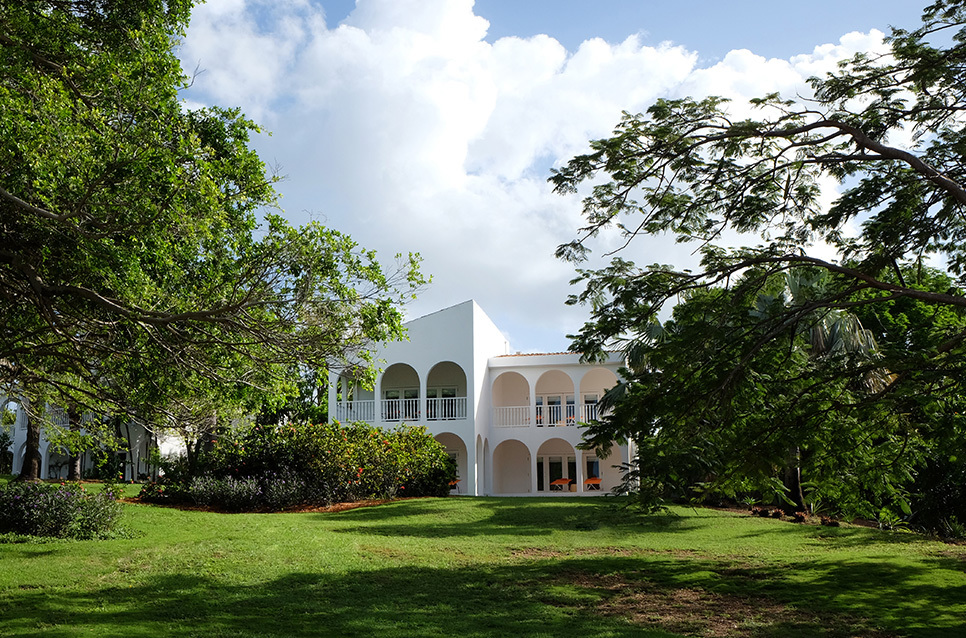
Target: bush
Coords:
[[165, 490], [63, 511], [276, 467], [237, 495]]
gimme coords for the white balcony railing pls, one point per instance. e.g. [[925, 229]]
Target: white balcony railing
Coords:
[[544, 416], [400, 410], [356, 411], [446, 409], [512, 417]]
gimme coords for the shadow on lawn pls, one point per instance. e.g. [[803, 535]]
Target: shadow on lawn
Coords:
[[592, 596], [509, 517], [398, 602]]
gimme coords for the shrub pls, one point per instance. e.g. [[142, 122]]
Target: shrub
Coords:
[[237, 495], [64, 511], [165, 490], [276, 467]]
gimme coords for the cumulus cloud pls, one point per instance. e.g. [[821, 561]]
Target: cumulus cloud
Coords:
[[403, 127]]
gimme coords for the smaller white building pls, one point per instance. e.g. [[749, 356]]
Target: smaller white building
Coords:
[[132, 462], [512, 422]]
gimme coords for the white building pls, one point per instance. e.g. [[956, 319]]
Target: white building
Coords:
[[511, 421], [133, 462]]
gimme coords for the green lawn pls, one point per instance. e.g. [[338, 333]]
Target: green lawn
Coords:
[[482, 567]]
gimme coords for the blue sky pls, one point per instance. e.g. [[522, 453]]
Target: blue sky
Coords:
[[431, 125], [772, 29]]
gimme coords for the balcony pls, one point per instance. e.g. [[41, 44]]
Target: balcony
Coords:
[[520, 416], [401, 410], [349, 411], [446, 409]]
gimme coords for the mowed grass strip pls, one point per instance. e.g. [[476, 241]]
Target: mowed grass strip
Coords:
[[482, 567]]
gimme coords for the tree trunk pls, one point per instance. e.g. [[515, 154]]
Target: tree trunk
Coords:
[[30, 471], [793, 477], [74, 464]]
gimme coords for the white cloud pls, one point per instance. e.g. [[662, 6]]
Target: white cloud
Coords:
[[404, 128]]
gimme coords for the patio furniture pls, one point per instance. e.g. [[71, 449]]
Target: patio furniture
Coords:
[[558, 485], [592, 484]]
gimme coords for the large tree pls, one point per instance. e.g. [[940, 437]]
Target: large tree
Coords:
[[138, 261], [887, 132]]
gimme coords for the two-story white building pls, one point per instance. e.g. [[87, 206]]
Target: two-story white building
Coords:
[[512, 422]]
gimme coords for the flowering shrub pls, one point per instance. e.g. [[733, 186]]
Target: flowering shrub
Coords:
[[277, 467], [164, 491], [65, 511]]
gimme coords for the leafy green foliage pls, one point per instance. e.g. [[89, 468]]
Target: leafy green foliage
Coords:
[[273, 467], [142, 270], [782, 373]]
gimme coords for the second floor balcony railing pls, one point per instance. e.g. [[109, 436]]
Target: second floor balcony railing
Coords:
[[446, 409], [520, 416], [355, 411], [511, 417], [400, 410]]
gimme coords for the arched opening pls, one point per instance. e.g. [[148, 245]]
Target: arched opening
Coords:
[[556, 403], [557, 467], [511, 400], [511, 468], [58, 461], [446, 392], [456, 450], [593, 385], [400, 393]]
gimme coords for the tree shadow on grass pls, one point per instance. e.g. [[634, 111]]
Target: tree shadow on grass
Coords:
[[502, 517], [398, 602], [610, 596], [838, 537]]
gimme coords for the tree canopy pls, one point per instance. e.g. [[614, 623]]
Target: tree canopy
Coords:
[[742, 369], [140, 260]]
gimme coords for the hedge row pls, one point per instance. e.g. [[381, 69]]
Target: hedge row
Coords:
[[275, 467]]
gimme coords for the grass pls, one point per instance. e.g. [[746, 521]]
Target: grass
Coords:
[[482, 567]]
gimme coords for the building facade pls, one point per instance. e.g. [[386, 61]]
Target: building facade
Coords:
[[512, 422], [133, 462]]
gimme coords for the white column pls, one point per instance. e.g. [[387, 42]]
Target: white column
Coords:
[[333, 404], [580, 471], [422, 399], [377, 417], [532, 391]]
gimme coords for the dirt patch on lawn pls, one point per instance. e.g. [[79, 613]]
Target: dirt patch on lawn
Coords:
[[696, 612]]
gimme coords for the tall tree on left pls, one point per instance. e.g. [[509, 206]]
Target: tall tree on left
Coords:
[[138, 264]]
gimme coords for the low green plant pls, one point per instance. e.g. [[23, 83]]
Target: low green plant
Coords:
[[66, 510]]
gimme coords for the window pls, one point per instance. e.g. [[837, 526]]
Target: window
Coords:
[[556, 468], [590, 407], [593, 468], [553, 410]]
